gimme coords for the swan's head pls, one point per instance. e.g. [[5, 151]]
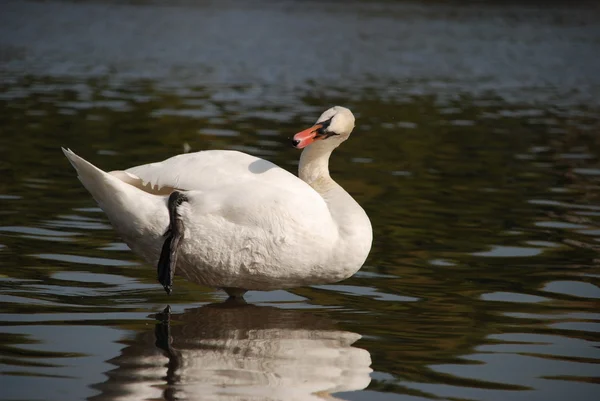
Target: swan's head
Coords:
[[332, 128]]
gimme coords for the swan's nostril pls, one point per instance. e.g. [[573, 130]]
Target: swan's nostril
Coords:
[[295, 142]]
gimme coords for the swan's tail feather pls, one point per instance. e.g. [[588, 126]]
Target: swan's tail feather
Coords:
[[93, 179], [106, 189], [131, 211]]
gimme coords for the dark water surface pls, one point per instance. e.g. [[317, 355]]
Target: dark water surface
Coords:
[[476, 155]]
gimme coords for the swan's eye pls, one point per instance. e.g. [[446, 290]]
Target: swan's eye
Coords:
[[323, 133]]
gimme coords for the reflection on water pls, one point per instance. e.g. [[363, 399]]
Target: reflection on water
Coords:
[[230, 352], [476, 156]]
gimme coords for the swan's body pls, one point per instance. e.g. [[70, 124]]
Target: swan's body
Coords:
[[245, 224]]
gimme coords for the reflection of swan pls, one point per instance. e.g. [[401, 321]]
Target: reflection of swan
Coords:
[[236, 221], [239, 352]]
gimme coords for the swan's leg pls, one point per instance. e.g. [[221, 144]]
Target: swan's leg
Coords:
[[236, 293], [168, 256]]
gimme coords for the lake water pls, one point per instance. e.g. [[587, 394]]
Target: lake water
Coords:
[[476, 156]]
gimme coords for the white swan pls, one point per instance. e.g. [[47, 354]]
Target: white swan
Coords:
[[229, 220]]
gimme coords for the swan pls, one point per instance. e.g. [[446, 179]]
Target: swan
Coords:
[[229, 220]]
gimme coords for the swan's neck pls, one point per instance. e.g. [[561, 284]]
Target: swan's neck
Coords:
[[314, 168], [353, 225]]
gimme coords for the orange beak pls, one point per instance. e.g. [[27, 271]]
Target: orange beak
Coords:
[[304, 138]]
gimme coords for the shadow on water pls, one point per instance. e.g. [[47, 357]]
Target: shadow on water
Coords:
[[228, 352], [476, 155]]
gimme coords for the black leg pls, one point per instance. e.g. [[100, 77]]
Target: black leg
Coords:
[[168, 256]]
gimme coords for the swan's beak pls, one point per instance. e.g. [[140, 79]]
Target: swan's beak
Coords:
[[304, 138]]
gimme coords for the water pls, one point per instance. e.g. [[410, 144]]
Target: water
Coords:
[[476, 155]]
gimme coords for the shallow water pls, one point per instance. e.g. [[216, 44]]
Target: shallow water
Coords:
[[476, 155]]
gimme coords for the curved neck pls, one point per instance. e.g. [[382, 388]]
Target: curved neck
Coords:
[[352, 223], [314, 168]]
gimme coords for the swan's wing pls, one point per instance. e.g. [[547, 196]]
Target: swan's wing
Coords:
[[256, 203], [202, 171], [261, 218]]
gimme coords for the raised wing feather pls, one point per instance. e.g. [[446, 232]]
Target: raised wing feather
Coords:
[[205, 171]]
